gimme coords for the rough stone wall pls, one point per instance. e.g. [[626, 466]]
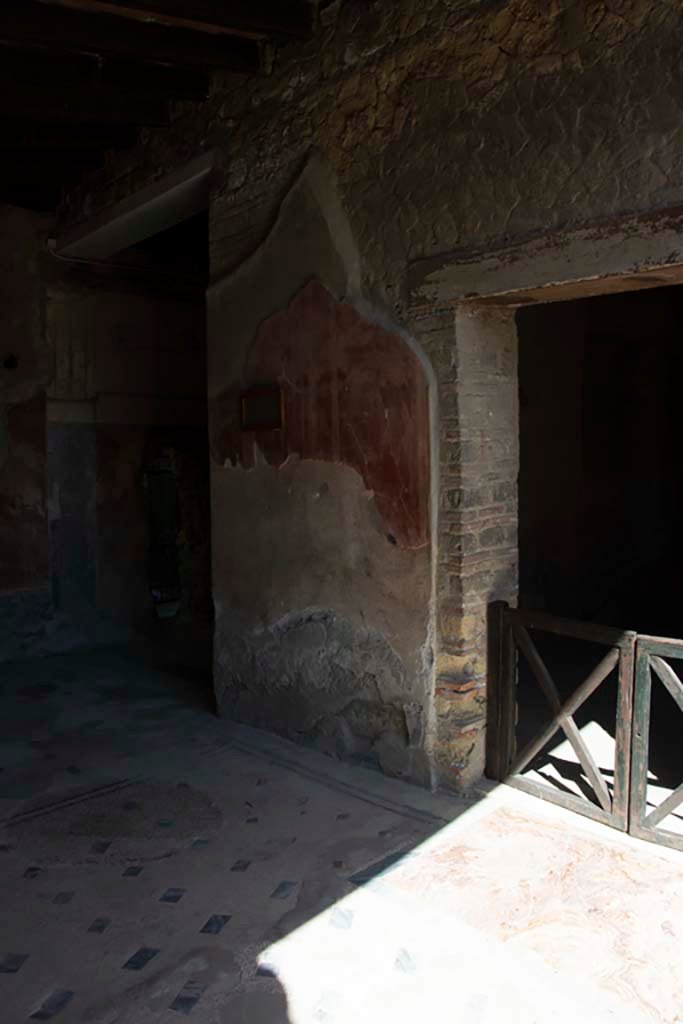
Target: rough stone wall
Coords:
[[456, 126], [448, 127], [477, 561]]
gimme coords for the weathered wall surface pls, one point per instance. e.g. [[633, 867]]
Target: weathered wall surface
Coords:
[[456, 126], [477, 539], [351, 393], [24, 372], [452, 127], [321, 529]]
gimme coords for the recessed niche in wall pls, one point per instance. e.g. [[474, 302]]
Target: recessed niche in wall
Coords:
[[261, 408], [10, 362]]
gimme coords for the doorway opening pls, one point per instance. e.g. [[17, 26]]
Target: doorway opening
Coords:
[[163, 526], [170, 486], [600, 488], [601, 478], [129, 465]]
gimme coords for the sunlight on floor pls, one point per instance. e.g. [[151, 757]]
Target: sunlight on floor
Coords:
[[560, 769], [561, 766], [656, 795], [513, 913]]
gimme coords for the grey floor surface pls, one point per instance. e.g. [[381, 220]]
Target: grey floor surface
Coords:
[[151, 851]]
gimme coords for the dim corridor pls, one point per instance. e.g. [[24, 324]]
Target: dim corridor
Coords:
[[160, 863]]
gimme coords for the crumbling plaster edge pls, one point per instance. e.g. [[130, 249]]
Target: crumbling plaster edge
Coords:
[[318, 176]]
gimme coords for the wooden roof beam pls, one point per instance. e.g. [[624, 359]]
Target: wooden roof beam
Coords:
[[30, 189], [25, 68], [251, 18], [52, 27], [42, 103], [167, 201], [30, 69], [37, 137]]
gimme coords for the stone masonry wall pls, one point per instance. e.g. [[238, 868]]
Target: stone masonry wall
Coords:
[[448, 127], [474, 354]]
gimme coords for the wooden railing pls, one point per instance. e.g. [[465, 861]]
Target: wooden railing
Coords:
[[510, 637], [651, 664]]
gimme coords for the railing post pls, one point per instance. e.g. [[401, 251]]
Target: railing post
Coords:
[[623, 733], [500, 692]]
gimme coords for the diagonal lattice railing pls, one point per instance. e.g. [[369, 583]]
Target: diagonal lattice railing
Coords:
[[562, 713], [639, 660], [652, 662], [509, 636]]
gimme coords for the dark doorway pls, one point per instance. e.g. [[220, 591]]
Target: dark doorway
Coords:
[[172, 477], [600, 491], [130, 524], [601, 477]]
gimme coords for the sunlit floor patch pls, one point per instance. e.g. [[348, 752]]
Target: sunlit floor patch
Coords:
[[513, 913]]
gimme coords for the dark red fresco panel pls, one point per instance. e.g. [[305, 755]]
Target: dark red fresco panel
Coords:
[[353, 393]]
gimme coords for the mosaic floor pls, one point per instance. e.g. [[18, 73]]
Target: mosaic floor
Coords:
[[158, 863]]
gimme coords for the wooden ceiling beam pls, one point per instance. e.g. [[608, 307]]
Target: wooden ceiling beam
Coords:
[[51, 158], [157, 79], [72, 106], [255, 18], [26, 68], [31, 190], [62, 165], [45, 139], [52, 27], [29, 195]]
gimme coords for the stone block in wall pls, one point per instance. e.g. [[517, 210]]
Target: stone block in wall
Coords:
[[462, 669], [460, 740]]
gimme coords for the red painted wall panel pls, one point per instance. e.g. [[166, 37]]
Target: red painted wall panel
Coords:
[[353, 392]]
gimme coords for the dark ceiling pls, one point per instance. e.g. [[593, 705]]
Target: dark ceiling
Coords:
[[78, 77]]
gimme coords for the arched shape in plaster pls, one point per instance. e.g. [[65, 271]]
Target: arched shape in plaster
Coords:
[[314, 191], [309, 536]]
